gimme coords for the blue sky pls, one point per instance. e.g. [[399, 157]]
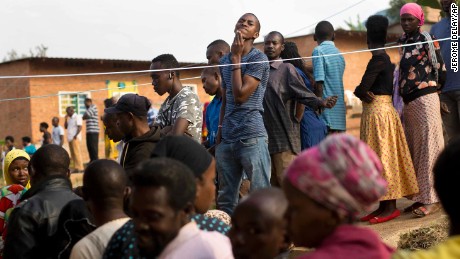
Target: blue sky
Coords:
[[143, 29]]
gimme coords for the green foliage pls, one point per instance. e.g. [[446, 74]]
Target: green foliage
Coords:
[[395, 6], [358, 26], [430, 3]]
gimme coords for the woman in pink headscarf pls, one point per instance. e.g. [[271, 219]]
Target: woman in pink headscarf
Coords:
[[327, 186], [421, 75]]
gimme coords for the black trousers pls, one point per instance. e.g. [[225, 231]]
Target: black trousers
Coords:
[[92, 143]]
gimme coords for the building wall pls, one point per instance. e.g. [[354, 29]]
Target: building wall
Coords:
[[15, 115], [23, 117]]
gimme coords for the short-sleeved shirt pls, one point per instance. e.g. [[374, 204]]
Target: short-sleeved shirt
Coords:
[[92, 122], [212, 119], [185, 105], [245, 120], [330, 70], [441, 30], [57, 133], [93, 245], [284, 89], [30, 149], [72, 126]]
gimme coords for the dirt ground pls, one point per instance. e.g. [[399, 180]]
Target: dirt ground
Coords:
[[390, 231]]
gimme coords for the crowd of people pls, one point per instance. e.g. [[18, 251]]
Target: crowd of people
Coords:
[[272, 124]]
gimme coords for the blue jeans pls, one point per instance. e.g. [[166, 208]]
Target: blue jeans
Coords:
[[452, 120], [248, 155]]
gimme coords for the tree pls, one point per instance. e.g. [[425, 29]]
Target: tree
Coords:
[[38, 52], [358, 26]]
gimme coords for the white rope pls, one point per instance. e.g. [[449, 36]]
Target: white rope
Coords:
[[209, 66], [85, 91]]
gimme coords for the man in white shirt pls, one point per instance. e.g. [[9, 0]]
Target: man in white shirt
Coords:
[[161, 204], [73, 123], [58, 132], [104, 190]]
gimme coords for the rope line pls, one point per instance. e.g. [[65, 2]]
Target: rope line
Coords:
[[220, 65]]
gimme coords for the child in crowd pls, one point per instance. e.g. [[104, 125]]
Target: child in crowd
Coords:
[[328, 73], [58, 132], [28, 146], [16, 175], [259, 226], [9, 145], [211, 83], [46, 134]]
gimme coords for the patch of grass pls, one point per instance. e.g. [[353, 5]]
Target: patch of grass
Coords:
[[425, 238]]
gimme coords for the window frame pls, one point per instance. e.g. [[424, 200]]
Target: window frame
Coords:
[[77, 109]]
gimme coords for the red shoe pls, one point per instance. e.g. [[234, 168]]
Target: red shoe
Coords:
[[377, 220], [368, 217]]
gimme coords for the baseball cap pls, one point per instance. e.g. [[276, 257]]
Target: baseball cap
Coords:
[[133, 103]]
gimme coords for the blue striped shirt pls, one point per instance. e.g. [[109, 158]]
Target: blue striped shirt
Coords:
[[244, 121], [330, 70]]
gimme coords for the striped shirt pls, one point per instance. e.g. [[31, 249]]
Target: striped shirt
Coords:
[[330, 70], [92, 122], [244, 121]]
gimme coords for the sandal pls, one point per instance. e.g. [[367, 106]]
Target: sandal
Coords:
[[413, 207], [422, 211]]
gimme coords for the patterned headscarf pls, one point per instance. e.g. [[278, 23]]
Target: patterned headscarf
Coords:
[[9, 158], [415, 10], [342, 173]]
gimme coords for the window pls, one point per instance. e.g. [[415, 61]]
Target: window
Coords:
[[77, 100]]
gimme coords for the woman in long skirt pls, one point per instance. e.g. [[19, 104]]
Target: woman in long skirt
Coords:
[[421, 75], [381, 127]]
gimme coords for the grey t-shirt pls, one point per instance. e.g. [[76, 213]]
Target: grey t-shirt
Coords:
[[184, 105]]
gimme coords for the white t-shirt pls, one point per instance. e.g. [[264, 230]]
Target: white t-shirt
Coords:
[[72, 126], [56, 135], [93, 245], [191, 242]]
